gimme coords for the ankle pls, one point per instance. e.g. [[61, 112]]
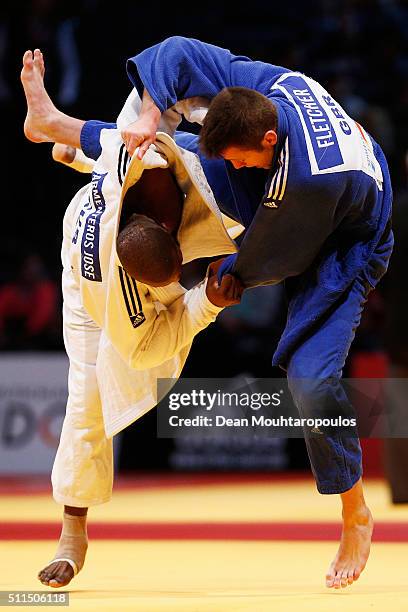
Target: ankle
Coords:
[[74, 511], [74, 526], [360, 515], [52, 122]]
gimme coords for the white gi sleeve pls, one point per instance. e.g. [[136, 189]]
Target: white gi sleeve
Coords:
[[167, 329], [81, 162], [174, 328]]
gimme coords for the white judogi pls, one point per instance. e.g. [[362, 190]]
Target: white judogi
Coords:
[[120, 335]]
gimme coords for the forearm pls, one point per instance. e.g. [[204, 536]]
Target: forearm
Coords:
[[149, 112], [174, 328]]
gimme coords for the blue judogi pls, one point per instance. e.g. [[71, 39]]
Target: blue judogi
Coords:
[[319, 219]]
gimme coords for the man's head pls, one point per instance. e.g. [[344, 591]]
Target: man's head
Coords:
[[147, 241], [148, 252], [240, 126]]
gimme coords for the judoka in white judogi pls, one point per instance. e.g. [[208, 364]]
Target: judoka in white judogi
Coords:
[[120, 335]]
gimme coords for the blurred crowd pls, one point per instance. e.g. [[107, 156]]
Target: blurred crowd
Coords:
[[358, 49]]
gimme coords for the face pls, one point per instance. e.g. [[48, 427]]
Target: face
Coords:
[[248, 158], [252, 158]]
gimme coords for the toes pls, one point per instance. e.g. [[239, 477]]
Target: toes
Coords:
[[337, 580], [350, 577], [48, 573], [330, 579], [27, 58], [39, 61], [61, 579], [58, 583], [37, 58], [344, 579], [43, 578], [56, 576]]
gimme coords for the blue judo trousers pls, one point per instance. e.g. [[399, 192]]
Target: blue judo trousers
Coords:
[[319, 220], [325, 304]]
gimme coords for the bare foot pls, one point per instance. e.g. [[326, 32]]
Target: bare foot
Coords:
[[63, 153], [57, 574], [41, 114], [353, 551]]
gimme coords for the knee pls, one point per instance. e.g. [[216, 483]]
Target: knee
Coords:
[[313, 394]]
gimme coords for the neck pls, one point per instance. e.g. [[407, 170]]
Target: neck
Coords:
[[158, 196]]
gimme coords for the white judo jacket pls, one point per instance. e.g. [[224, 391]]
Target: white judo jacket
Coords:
[[146, 332]]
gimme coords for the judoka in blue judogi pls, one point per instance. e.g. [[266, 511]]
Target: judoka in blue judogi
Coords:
[[318, 219]]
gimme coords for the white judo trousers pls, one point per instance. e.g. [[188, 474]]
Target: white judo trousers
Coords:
[[110, 383], [82, 474]]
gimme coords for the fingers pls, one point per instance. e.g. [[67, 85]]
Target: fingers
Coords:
[[133, 138], [234, 285], [226, 287], [143, 148], [229, 292], [215, 265], [212, 269], [131, 142], [231, 289]]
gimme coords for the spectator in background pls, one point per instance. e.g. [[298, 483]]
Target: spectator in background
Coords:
[[28, 308], [52, 24]]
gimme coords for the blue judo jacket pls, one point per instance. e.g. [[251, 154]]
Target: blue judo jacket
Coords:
[[320, 217]]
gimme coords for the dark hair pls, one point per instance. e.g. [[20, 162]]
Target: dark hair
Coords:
[[237, 117], [148, 252]]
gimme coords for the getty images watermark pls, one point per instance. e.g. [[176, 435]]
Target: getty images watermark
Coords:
[[254, 401], [264, 407]]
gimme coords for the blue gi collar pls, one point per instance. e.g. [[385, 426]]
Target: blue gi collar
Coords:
[[282, 132]]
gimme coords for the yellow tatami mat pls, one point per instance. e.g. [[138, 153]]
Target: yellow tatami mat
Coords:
[[218, 576], [191, 575]]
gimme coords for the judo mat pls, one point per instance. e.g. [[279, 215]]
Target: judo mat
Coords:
[[198, 543]]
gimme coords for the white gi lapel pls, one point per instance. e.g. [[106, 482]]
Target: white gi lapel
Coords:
[[202, 232], [127, 393]]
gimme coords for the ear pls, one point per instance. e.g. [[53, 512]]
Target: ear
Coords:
[[270, 139]]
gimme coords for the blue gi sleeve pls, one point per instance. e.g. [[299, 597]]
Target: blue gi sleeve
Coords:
[[284, 241], [180, 68], [90, 137]]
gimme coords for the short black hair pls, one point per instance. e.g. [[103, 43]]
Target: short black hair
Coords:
[[239, 117], [148, 252]]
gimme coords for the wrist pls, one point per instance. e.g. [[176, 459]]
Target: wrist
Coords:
[[150, 111], [207, 303]]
